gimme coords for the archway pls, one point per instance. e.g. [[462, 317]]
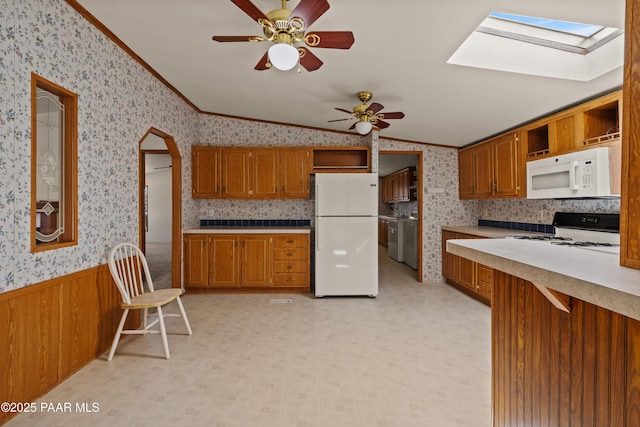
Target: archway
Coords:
[[176, 202]]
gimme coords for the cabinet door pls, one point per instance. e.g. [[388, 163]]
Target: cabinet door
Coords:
[[205, 172], [505, 163], [404, 185], [466, 173], [264, 173], [224, 266], [483, 165], [294, 173], [256, 260], [235, 173], [395, 187], [466, 273], [387, 189], [449, 261], [196, 261]]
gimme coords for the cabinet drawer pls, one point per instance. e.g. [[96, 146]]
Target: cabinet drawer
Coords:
[[291, 267], [291, 240], [290, 254], [485, 290], [485, 274], [296, 279]]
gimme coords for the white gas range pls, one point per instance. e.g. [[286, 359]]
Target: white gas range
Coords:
[[592, 231]]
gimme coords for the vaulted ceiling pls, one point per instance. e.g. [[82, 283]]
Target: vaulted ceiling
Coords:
[[400, 55]]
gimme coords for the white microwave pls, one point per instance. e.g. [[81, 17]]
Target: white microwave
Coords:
[[580, 174]]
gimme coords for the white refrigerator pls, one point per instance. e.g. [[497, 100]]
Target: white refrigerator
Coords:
[[346, 234]]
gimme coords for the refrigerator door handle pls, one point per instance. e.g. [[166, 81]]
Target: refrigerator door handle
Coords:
[[317, 234]]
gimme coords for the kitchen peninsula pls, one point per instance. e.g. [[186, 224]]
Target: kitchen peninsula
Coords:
[[565, 328]]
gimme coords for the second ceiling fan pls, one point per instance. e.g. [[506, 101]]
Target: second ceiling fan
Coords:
[[368, 115], [287, 29]]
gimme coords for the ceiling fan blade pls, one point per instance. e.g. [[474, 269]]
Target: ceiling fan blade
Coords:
[[375, 107], [330, 39], [343, 110], [233, 38], [353, 126], [396, 115], [310, 10], [308, 60], [382, 124], [338, 120], [262, 64], [250, 9]]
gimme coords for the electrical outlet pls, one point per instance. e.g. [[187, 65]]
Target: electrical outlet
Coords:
[[541, 216]]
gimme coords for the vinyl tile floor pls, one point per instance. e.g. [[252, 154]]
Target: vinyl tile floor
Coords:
[[418, 355]]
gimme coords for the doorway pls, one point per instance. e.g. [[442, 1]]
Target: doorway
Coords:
[[391, 162], [160, 207]]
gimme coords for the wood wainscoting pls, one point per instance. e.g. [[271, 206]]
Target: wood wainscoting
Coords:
[[552, 368], [50, 330]]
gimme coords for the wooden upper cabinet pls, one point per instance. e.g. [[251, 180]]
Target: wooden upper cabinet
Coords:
[[483, 166], [397, 186], [264, 173], [235, 173], [506, 162], [294, 172], [205, 172], [466, 170], [491, 169], [251, 172], [591, 123]]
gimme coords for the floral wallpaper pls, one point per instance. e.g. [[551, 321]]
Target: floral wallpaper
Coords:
[[119, 101]]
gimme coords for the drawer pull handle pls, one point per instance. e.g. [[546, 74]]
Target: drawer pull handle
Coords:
[[289, 267], [290, 254], [289, 241]]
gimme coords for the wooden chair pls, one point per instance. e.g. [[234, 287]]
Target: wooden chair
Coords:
[[128, 267]]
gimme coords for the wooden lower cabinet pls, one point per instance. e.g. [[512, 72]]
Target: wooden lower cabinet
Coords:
[[246, 262], [468, 276], [291, 261], [383, 232]]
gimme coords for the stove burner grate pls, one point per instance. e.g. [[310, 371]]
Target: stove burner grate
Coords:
[[543, 238], [584, 244]]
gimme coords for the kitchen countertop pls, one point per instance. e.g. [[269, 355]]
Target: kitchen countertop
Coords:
[[591, 276], [224, 229], [490, 232]]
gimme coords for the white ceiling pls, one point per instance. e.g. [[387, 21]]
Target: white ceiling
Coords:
[[399, 54]]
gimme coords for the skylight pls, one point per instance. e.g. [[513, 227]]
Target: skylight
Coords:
[[575, 28], [543, 47]]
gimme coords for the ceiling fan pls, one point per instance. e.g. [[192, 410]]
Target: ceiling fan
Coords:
[[368, 116], [287, 28]]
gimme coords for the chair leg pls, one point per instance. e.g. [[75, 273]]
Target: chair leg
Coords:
[[116, 339], [163, 332], [184, 316], [145, 317]]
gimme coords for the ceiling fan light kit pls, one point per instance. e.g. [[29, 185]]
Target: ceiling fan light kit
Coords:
[[364, 126], [285, 33], [283, 56]]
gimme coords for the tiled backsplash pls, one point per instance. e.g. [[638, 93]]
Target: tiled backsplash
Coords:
[[521, 226], [255, 222]]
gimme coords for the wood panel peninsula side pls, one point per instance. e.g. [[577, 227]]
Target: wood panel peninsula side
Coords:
[[565, 333]]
